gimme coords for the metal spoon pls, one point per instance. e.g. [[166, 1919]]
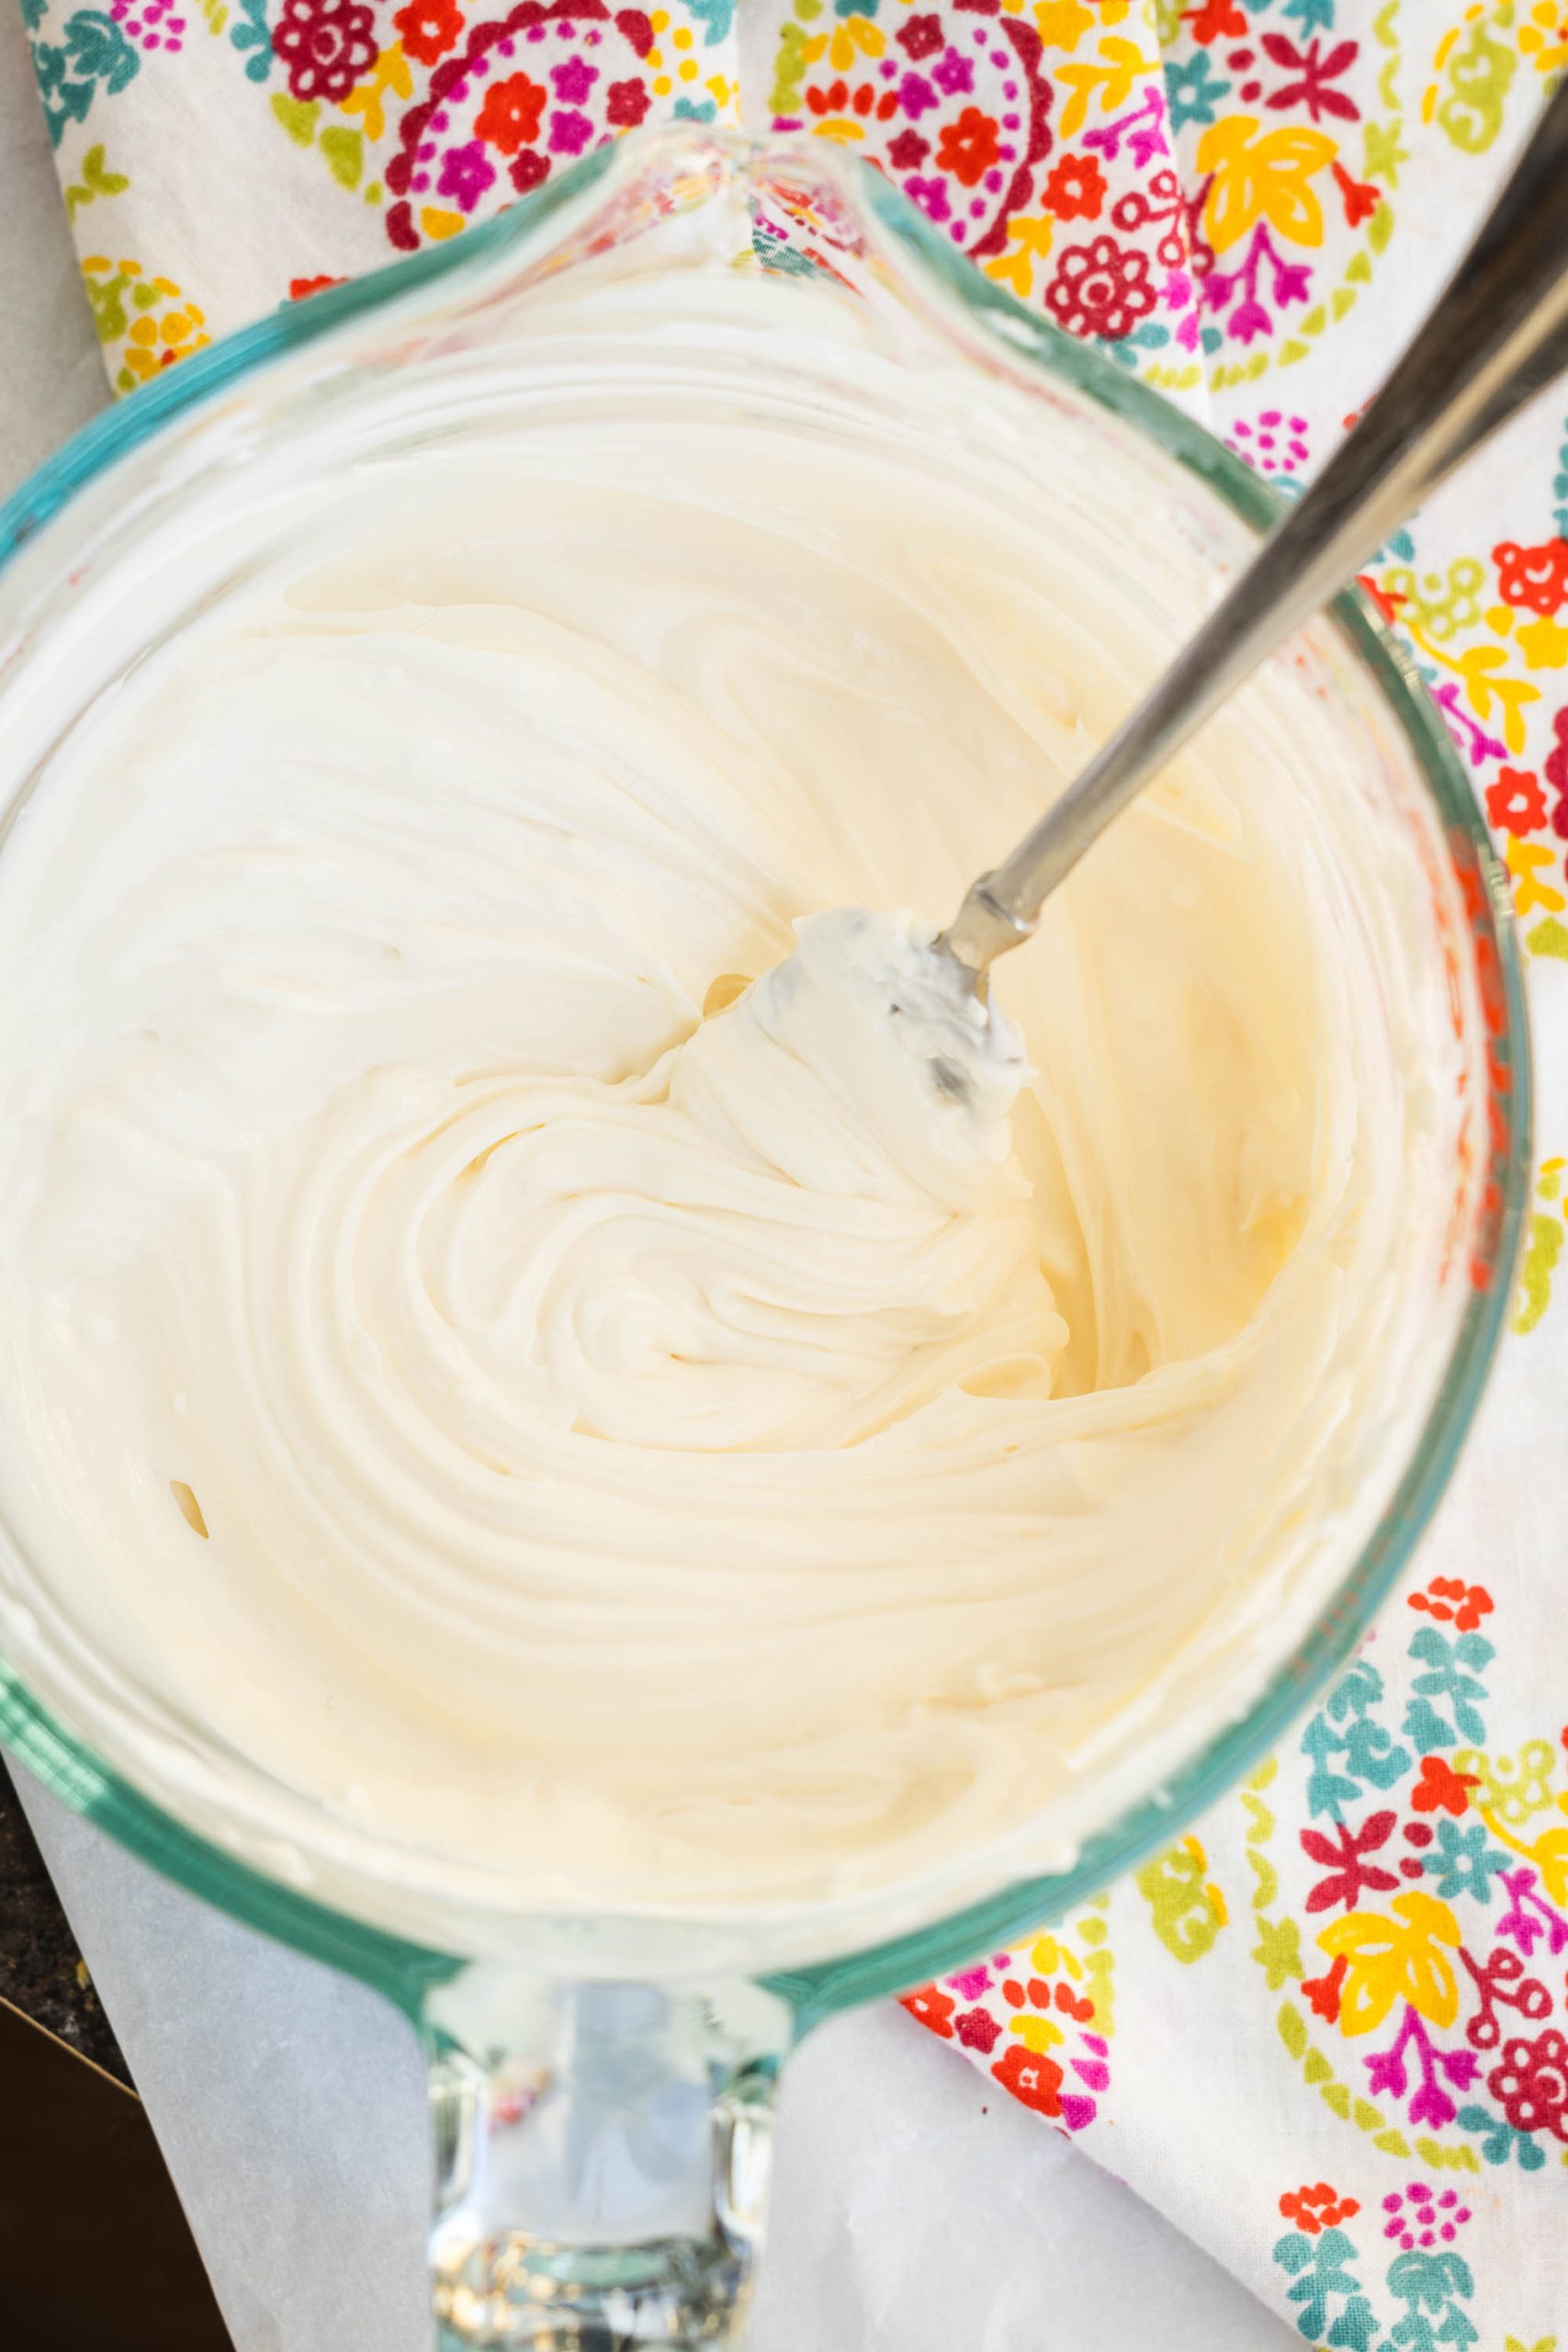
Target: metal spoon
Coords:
[[1497, 334]]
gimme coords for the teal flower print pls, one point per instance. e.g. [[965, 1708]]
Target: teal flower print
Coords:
[[92, 54], [1193, 89], [1313, 16], [1463, 1862], [253, 32]]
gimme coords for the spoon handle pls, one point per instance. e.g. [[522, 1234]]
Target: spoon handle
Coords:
[[1496, 335]]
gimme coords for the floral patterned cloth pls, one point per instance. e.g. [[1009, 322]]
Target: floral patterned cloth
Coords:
[[1327, 2033]]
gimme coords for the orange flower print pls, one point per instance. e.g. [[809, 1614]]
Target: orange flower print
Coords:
[[969, 147], [512, 113], [1515, 801], [1317, 2207], [429, 28], [932, 2006], [1215, 20], [1441, 1789], [1454, 1601], [1074, 190], [1534, 578], [1033, 2078]]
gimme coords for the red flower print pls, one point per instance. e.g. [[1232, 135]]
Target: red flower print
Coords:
[[1215, 20], [1101, 288], [326, 46], [1351, 1875], [1074, 190], [921, 36], [1310, 90], [530, 170], [969, 147], [1535, 578], [933, 2007], [1317, 2207], [625, 104], [428, 29], [1441, 1789], [909, 151], [1451, 1600], [1530, 2083], [1031, 2078], [977, 2030], [1516, 800], [1502, 1983], [512, 113], [1323, 1992], [299, 287]]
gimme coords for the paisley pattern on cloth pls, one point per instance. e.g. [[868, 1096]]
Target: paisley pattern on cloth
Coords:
[[1327, 2032]]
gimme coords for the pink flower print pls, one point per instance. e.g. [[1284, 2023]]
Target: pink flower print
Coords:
[[931, 196], [1418, 2215], [1262, 261], [1274, 444], [465, 173], [149, 25], [569, 133], [916, 95], [1430, 2103], [573, 80], [953, 73]]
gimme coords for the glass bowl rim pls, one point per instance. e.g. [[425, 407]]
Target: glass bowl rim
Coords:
[[404, 1970]]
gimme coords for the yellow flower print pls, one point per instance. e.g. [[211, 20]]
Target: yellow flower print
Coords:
[[1543, 643], [389, 76], [1491, 693], [1036, 2033], [1122, 63], [1398, 1959], [1524, 861], [1062, 24], [855, 36], [147, 316], [1544, 40], [1048, 1957], [1029, 240], [1263, 175]]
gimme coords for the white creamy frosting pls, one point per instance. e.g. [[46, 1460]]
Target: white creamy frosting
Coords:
[[557, 1398]]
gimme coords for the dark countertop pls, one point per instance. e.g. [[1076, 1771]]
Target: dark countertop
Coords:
[[42, 1972]]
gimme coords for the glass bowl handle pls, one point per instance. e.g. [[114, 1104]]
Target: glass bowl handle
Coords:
[[603, 2155]]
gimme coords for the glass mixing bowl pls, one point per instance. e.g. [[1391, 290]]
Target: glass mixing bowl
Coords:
[[603, 2086]]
